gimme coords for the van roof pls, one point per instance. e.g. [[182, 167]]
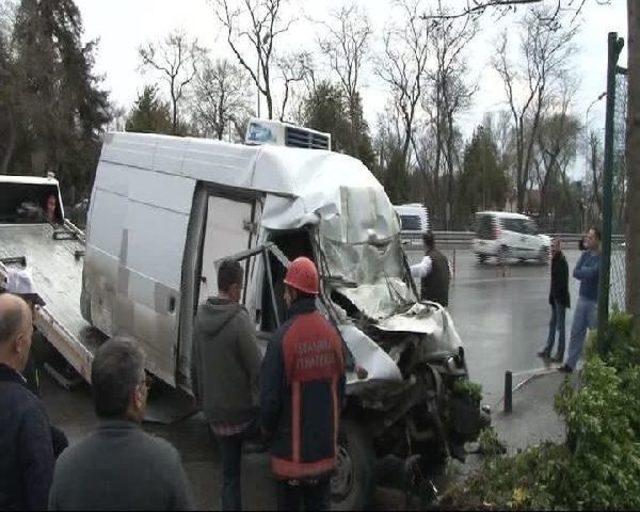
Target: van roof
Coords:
[[269, 168], [504, 215], [30, 180], [312, 181]]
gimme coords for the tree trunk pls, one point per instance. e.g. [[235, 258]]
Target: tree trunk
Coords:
[[633, 164], [10, 147]]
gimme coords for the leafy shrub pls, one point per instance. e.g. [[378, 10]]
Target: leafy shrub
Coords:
[[599, 465], [466, 388]]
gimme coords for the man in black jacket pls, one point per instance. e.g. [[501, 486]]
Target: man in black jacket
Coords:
[[225, 372], [27, 460], [559, 300], [119, 466]]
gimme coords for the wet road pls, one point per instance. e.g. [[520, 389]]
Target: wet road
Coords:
[[503, 322]]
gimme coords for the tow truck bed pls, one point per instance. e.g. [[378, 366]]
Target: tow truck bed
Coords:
[[56, 268]]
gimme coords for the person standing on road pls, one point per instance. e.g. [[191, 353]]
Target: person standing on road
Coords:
[[434, 273], [559, 300], [587, 271], [225, 374], [119, 466], [302, 386], [27, 461]]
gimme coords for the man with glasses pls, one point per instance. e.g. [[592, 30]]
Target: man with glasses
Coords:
[[120, 467]]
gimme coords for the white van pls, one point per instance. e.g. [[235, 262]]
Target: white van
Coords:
[[164, 210], [414, 218], [506, 235]]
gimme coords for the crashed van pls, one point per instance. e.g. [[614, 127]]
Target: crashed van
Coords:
[[165, 211]]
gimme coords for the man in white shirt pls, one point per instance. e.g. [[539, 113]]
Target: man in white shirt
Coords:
[[434, 272]]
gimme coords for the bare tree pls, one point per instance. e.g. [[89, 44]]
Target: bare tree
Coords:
[[546, 49], [346, 45], [448, 39], [176, 59], [556, 143], [402, 66], [219, 97], [295, 68], [595, 161], [503, 7], [257, 24]]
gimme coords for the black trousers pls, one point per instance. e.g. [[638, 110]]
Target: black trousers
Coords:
[[304, 495], [231, 452]]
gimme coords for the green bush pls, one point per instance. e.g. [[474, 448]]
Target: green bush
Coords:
[[467, 388], [599, 465]]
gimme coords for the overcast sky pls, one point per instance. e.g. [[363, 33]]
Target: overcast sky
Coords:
[[123, 25]]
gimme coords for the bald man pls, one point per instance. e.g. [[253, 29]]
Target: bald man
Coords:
[[27, 461]]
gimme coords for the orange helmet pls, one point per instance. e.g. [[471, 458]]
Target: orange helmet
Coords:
[[302, 275]]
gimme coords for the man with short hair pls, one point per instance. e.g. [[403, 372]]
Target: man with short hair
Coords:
[[27, 460], [587, 271], [302, 387], [434, 273], [225, 373], [120, 467], [559, 300]]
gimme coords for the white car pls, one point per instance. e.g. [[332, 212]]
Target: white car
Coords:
[[509, 235]]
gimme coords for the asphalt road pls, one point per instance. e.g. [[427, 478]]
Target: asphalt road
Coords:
[[502, 317], [503, 321]]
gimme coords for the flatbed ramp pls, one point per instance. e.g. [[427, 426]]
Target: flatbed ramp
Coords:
[[54, 256]]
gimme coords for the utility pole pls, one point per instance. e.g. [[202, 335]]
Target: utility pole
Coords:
[[615, 45]]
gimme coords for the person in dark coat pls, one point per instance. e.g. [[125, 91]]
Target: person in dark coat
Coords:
[[302, 386], [434, 273], [225, 373], [559, 300], [20, 283], [27, 460], [120, 467]]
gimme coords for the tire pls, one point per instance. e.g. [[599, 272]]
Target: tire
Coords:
[[543, 256], [353, 482], [503, 255], [482, 258]]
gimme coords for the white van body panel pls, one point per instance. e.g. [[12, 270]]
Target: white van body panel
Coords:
[[148, 225]]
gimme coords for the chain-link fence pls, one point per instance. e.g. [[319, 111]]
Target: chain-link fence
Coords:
[[617, 281]]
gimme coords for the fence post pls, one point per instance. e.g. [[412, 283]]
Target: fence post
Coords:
[[508, 391], [615, 45]]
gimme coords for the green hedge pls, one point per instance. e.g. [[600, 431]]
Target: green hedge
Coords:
[[598, 467]]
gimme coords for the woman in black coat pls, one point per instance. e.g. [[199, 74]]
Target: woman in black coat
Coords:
[[559, 300]]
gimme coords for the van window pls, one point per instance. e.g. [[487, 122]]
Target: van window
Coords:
[[26, 203], [410, 223], [484, 227]]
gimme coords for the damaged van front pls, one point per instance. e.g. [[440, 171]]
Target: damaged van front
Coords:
[[406, 359]]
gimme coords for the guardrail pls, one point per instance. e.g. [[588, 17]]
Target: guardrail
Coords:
[[463, 238]]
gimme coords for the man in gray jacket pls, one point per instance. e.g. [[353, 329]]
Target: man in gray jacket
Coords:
[[226, 367], [120, 467]]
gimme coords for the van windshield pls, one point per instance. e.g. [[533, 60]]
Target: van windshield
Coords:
[[371, 275]]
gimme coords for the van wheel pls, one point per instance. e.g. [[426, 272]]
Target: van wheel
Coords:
[[503, 255], [353, 482], [543, 256]]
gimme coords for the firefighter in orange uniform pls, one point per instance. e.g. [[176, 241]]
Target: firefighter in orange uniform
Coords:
[[302, 387]]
